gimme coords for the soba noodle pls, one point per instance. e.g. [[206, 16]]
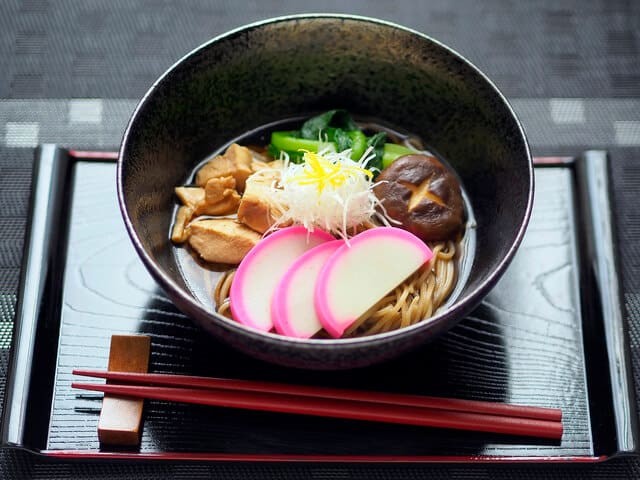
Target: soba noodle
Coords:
[[413, 301], [221, 293]]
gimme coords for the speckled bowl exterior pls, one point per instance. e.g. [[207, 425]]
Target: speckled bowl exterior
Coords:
[[292, 66]]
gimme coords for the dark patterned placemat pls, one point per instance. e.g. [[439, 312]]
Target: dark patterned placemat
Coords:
[[15, 182], [565, 61], [115, 49]]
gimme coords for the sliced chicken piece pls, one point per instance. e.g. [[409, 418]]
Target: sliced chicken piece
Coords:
[[220, 197], [221, 240], [259, 154], [180, 233], [235, 162], [256, 209], [258, 165], [190, 196]]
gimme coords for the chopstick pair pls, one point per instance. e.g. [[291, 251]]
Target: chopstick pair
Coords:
[[385, 407]]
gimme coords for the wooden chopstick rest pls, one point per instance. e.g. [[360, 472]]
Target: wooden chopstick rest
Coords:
[[121, 417]]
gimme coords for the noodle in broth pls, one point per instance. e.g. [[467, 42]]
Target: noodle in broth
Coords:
[[415, 299]]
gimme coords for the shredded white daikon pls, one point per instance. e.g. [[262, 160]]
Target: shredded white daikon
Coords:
[[328, 190]]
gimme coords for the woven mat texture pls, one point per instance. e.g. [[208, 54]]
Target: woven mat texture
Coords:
[[72, 70]]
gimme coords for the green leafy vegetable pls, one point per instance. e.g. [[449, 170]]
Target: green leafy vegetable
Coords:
[[341, 138], [377, 142], [336, 130], [289, 141], [313, 127]]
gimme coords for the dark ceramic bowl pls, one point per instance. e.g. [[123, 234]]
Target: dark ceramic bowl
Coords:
[[293, 66]]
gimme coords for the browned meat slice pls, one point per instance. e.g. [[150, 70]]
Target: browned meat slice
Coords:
[[220, 197], [190, 196], [179, 234], [221, 240], [262, 164], [256, 209], [235, 162]]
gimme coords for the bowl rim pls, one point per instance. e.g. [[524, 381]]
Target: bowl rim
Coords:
[[194, 307]]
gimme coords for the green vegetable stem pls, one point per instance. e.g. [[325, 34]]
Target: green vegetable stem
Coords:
[[392, 151], [335, 130]]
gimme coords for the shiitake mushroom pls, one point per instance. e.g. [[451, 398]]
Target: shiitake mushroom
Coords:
[[422, 194]]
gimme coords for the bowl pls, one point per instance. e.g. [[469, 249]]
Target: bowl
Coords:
[[299, 65]]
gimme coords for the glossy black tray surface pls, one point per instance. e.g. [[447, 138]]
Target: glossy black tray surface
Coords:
[[550, 334]]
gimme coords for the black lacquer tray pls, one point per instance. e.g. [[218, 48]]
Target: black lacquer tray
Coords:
[[550, 334]]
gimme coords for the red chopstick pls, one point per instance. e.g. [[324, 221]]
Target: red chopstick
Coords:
[[469, 406], [328, 407], [339, 408]]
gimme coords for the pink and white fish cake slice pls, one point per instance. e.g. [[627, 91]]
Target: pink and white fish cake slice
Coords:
[[261, 270], [292, 309], [359, 274]]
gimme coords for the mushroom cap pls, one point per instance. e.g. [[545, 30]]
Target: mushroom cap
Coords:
[[421, 193]]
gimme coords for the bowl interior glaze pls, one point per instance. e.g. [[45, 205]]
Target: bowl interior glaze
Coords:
[[292, 66]]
